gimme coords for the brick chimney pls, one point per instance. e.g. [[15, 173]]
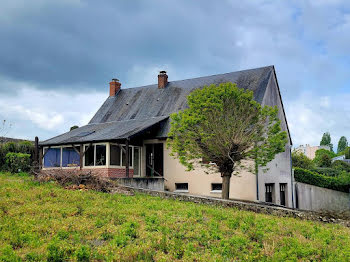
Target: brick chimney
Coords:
[[162, 79], [114, 87]]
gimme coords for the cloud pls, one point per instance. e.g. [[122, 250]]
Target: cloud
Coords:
[[34, 112], [310, 115], [57, 57]]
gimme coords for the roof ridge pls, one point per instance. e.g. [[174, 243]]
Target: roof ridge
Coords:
[[195, 78]]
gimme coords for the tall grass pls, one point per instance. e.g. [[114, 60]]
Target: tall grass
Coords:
[[46, 222]]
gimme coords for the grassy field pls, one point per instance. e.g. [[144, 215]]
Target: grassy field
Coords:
[[46, 222]]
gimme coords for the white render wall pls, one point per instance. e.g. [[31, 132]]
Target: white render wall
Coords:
[[321, 199], [243, 186], [279, 169]]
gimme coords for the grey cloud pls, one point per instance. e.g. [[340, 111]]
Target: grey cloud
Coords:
[[76, 46]]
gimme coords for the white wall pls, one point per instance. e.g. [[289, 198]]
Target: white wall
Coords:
[[321, 199], [279, 170]]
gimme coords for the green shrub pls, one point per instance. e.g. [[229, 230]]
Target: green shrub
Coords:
[[17, 162], [309, 177], [341, 166], [302, 161], [25, 147], [319, 156], [327, 171], [325, 161], [2, 156], [347, 153], [10, 147]]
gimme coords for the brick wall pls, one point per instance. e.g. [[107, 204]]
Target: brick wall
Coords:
[[104, 172]]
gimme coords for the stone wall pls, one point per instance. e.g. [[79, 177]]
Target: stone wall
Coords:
[[315, 198], [248, 206], [153, 183]]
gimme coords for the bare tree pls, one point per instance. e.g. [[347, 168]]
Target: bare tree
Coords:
[[4, 129]]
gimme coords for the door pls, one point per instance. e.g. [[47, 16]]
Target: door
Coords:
[[283, 194], [154, 160]]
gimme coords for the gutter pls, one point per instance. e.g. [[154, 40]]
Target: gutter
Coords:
[[291, 174]]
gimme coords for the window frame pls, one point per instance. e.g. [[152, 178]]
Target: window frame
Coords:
[[94, 146], [215, 190], [61, 154], [121, 156], [181, 190]]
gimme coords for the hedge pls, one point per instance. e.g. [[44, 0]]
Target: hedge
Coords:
[[312, 178], [327, 171], [25, 147], [17, 162]]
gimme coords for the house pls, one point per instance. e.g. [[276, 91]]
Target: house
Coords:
[[127, 139], [310, 151], [341, 158]]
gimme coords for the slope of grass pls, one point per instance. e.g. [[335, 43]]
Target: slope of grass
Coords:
[[46, 222]]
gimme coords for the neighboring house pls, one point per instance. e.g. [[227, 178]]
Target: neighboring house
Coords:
[[127, 138], [310, 151], [341, 158]]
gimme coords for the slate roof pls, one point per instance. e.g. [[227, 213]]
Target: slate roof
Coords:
[[134, 109]]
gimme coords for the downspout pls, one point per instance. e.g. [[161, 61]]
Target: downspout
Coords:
[[291, 174], [257, 180], [257, 176]]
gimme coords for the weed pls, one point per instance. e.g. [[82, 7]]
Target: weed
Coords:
[[83, 254]]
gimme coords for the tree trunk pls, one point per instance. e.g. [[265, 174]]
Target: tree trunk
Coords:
[[226, 177]]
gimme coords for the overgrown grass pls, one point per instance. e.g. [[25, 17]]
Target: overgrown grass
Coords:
[[46, 222]]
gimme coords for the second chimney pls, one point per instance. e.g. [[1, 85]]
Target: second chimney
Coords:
[[114, 87], [162, 79]]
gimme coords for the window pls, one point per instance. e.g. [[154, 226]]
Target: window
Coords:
[[181, 187], [283, 188], [100, 155], [52, 157], [89, 155], [124, 156], [136, 161], [115, 155], [70, 157], [269, 192], [95, 155], [118, 157], [216, 187]]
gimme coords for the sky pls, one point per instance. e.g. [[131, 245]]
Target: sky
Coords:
[[57, 57]]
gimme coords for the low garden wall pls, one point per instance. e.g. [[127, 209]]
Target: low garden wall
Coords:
[[248, 206], [153, 183], [310, 197]]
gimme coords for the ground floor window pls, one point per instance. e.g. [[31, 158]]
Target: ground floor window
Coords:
[[216, 187], [100, 155], [269, 192], [181, 186], [63, 156], [95, 155], [136, 160], [70, 156], [124, 156], [118, 157], [52, 157], [283, 187]]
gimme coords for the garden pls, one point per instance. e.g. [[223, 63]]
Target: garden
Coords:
[[322, 171], [45, 222]]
